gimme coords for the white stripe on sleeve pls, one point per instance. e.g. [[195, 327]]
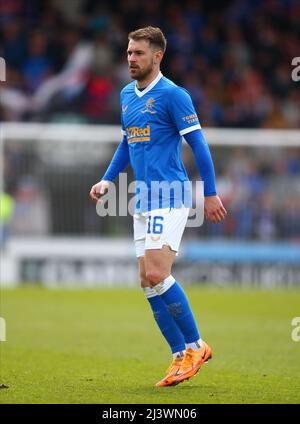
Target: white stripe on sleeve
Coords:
[[190, 129]]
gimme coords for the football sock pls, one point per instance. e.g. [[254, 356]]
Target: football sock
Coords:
[[165, 321], [178, 306], [195, 346], [179, 354]]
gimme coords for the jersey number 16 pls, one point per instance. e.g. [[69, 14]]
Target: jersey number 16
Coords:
[[157, 226]]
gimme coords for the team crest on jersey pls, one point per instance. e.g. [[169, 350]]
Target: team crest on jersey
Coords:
[[153, 238], [149, 106]]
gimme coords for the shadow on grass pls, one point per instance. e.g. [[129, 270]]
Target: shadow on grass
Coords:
[[186, 392]]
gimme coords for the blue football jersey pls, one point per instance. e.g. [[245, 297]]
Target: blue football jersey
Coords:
[[154, 121]]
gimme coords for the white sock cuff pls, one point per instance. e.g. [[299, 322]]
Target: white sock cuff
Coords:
[[149, 292], [195, 345], [162, 287], [179, 354]]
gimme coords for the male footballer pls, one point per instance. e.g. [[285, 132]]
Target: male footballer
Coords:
[[155, 115]]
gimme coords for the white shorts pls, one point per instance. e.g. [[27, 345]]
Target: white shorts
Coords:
[[154, 229]]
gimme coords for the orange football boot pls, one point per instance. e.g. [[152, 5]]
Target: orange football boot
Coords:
[[190, 365], [173, 368]]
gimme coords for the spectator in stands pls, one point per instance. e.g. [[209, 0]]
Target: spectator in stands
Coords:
[[37, 67], [72, 79], [236, 61]]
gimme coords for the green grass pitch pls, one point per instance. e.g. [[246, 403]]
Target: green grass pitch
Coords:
[[102, 346]]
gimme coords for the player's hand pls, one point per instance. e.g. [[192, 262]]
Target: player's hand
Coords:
[[98, 190], [214, 209]]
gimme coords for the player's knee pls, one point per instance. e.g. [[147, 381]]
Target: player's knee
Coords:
[[154, 277]]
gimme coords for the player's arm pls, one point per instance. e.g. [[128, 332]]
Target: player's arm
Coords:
[[213, 207], [185, 118], [118, 163]]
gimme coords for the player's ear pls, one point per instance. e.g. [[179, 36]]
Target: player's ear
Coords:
[[158, 56]]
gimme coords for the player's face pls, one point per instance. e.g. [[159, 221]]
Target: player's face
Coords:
[[141, 59]]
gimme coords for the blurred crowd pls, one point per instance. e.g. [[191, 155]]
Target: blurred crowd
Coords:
[[261, 191], [66, 61]]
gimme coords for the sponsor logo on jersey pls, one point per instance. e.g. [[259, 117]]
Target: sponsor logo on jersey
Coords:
[[190, 119], [136, 133], [124, 108]]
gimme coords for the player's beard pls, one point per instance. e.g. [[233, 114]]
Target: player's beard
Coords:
[[142, 75]]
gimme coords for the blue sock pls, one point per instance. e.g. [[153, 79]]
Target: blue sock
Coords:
[[178, 305], [165, 321]]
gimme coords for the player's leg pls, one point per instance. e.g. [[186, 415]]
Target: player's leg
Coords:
[[158, 262], [164, 320], [166, 324], [158, 273]]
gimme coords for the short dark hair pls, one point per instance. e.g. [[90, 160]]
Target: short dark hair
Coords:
[[154, 35]]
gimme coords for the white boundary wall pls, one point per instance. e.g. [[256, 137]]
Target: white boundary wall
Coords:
[[65, 261]]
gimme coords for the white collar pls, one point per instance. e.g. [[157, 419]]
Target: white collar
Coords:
[[149, 87]]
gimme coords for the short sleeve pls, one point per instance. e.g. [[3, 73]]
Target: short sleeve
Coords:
[[182, 111], [123, 129]]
